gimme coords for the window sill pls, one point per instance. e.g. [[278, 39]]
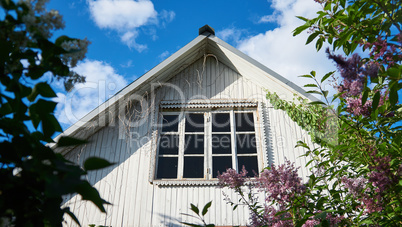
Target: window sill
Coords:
[[173, 182]]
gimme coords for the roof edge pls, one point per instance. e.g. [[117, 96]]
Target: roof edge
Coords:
[[130, 88]]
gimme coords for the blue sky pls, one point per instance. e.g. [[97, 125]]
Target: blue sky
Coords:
[[129, 37]]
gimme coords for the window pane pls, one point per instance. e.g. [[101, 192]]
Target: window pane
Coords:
[[244, 122], [167, 167], [246, 144], [170, 123], [221, 144], [221, 122], [193, 167], [194, 144], [195, 122], [250, 163], [220, 164], [169, 144]]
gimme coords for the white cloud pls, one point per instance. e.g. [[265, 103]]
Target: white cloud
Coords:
[[102, 82], [124, 14], [167, 16], [269, 18], [283, 53], [163, 55], [128, 38], [128, 64], [126, 17], [231, 34]]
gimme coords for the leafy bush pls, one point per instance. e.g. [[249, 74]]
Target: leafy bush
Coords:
[[357, 170], [33, 177]]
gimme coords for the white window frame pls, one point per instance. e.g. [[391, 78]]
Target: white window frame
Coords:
[[208, 175]]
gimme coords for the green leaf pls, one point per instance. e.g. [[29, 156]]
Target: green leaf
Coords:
[[320, 203], [393, 93], [376, 101], [235, 206], [302, 18], [43, 107], [299, 29], [325, 93], [45, 90], [310, 85], [336, 96], [8, 5], [42, 89], [312, 37], [302, 144], [316, 103], [394, 72], [66, 141], [367, 221], [314, 92], [322, 215], [365, 96], [307, 76], [313, 73], [326, 76], [50, 125], [346, 48], [5, 109], [194, 209], [95, 163], [36, 72], [206, 207], [319, 43]]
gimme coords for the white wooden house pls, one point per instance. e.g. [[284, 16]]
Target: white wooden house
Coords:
[[198, 112]]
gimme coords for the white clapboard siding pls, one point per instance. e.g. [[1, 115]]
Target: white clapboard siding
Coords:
[[138, 202]]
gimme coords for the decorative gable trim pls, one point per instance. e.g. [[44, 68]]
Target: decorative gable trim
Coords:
[[208, 103]]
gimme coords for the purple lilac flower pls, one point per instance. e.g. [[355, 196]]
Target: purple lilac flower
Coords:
[[334, 220], [381, 176], [385, 51], [371, 69], [354, 72], [311, 223], [358, 187], [354, 106], [232, 179], [281, 183]]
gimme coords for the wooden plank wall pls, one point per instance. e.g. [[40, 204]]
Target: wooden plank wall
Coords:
[[137, 202]]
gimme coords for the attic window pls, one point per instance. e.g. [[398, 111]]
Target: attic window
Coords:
[[197, 144]]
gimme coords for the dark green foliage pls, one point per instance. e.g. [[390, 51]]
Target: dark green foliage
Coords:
[[356, 171], [201, 217], [33, 177]]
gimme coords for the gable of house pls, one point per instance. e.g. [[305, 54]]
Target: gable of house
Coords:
[[206, 80]]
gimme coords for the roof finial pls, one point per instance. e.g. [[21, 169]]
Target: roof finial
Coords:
[[206, 30]]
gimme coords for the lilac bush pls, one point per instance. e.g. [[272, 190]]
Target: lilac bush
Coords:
[[356, 171], [282, 188]]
